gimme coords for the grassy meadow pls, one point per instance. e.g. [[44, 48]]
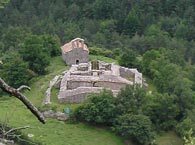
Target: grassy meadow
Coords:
[[53, 132]]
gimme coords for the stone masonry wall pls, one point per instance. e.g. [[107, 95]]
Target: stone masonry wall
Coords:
[[81, 80], [75, 54], [111, 85], [126, 73], [77, 95], [76, 84], [131, 74]]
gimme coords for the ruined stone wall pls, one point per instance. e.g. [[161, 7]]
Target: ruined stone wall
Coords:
[[77, 95], [131, 74], [76, 84], [74, 98], [80, 94], [111, 85], [126, 73], [82, 73], [82, 80], [76, 54], [138, 77]]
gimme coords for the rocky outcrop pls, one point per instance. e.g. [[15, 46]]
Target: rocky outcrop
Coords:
[[55, 115]]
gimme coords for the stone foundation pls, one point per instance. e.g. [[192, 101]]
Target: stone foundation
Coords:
[[83, 79]]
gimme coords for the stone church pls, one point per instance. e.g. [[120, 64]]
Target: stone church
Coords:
[[75, 52]]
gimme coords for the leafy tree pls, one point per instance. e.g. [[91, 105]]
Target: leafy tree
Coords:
[[162, 110], [131, 23], [181, 30], [130, 99], [98, 109], [185, 95], [15, 71], [71, 30], [165, 76], [33, 53], [104, 9], [183, 127], [14, 37], [168, 24], [51, 45], [189, 139], [189, 53], [99, 39], [73, 12], [136, 127], [128, 59], [138, 44], [147, 62]]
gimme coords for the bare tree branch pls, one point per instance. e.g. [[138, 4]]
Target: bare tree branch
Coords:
[[23, 87], [15, 92], [14, 129]]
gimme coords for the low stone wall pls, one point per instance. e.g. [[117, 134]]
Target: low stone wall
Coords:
[[47, 99], [75, 84], [111, 85], [81, 73], [80, 94], [77, 95], [74, 98]]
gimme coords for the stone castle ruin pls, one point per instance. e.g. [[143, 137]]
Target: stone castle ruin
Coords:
[[86, 77], [92, 77]]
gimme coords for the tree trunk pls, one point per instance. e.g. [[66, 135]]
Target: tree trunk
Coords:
[[16, 93]]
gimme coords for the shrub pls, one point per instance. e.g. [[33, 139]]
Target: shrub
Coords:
[[163, 111], [131, 99], [136, 127], [99, 109], [186, 124], [102, 52]]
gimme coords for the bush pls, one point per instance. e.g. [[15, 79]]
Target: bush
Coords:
[[186, 124], [15, 71], [163, 111], [136, 127], [183, 127], [128, 59], [102, 52], [99, 109], [131, 99], [34, 53]]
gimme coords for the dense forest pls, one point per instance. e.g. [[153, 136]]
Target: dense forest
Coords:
[[155, 36]]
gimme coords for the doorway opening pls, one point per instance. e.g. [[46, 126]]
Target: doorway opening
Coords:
[[77, 61]]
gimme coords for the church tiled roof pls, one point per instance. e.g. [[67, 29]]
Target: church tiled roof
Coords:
[[75, 43]]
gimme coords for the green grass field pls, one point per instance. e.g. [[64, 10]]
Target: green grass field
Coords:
[[56, 132], [53, 132], [102, 58]]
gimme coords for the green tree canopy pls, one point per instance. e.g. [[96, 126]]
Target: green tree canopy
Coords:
[[33, 52], [137, 127]]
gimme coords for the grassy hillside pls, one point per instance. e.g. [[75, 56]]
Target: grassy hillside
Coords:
[[53, 132], [56, 132]]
